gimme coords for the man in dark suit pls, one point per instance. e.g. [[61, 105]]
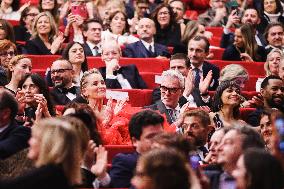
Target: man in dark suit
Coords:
[[13, 138], [143, 126], [198, 49], [172, 87], [194, 96], [145, 47], [116, 76], [92, 32], [274, 36], [61, 75]]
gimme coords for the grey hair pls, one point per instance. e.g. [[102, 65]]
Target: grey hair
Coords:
[[174, 74], [266, 65], [232, 71]]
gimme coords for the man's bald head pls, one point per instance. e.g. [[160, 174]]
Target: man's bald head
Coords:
[[146, 29]]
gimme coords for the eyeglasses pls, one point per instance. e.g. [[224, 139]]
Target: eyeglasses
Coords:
[[164, 13], [60, 70], [11, 53], [170, 90]]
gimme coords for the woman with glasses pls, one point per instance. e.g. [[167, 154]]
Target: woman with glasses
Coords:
[[19, 67], [23, 32], [168, 31], [7, 51], [51, 7]]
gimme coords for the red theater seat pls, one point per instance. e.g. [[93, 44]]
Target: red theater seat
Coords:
[[217, 31], [244, 112], [14, 22], [149, 78], [42, 61], [191, 14], [215, 41], [115, 149], [218, 53]]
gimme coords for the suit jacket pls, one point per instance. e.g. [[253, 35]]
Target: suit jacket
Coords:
[[216, 74], [21, 33], [129, 72], [156, 96], [121, 172], [159, 105], [138, 50], [88, 51], [36, 46], [13, 139], [44, 177], [60, 98]]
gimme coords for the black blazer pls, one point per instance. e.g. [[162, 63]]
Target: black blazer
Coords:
[[122, 169], [13, 139], [138, 50], [160, 106], [21, 33], [60, 98], [156, 96], [129, 72], [45, 177], [216, 74], [36, 46], [88, 51]]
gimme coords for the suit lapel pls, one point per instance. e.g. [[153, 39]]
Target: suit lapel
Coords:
[[163, 110], [143, 49], [7, 131]]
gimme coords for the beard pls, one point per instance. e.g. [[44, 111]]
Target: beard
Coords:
[[273, 104]]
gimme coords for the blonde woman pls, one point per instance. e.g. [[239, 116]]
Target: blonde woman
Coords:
[[19, 67], [45, 37], [55, 148]]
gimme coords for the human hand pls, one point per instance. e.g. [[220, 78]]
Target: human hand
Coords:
[[100, 167], [208, 35], [24, 6], [21, 99], [108, 112], [189, 83], [119, 106], [232, 19], [42, 104], [90, 154], [246, 57], [111, 66], [65, 9], [57, 43], [205, 82], [255, 101]]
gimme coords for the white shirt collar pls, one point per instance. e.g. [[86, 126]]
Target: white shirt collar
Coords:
[[147, 45], [199, 67], [91, 45], [177, 108]]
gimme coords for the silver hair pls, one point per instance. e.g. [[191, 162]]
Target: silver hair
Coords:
[[174, 74]]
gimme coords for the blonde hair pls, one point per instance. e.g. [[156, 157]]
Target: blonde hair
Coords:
[[266, 64], [53, 31], [59, 144], [190, 31], [14, 61], [232, 71], [86, 74]]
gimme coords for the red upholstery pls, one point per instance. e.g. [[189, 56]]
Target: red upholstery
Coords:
[[217, 31], [41, 72], [191, 14], [33, 2], [14, 22], [43, 61], [170, 49], [149, 78], [218, 53], [115, 149], [244, 112], [215, 41], [254, 68]]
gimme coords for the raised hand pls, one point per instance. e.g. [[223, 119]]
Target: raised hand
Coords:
[[24, 6], [90, 154], [111, 66], [189, 83], [100, 167], [246, 57], [42, 103], [205, 82], [232, 19], [21, 99], [57, 43], [108, 112], [119, 106]]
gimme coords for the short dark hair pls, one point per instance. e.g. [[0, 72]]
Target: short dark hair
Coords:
[[200, 38], [142, 1], [266, 80], [269, 26], [87, 22], [7, 100], [183, 5], [141, 120], [201, 114], [250, 138], [182, 56]]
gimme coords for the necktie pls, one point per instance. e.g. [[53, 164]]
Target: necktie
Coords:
[[204, 150], [172, 114], [96, 51], [151, 51], [197, 77], [69, 90]]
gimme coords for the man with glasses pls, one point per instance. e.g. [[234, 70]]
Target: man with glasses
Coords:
[[172, 86], [61, 75], [216, 16]]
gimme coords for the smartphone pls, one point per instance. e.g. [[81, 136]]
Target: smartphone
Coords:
[[279, 123], [194, 162], [80, 10]]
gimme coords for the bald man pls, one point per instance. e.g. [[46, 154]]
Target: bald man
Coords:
[[145, 47], [116, 76]]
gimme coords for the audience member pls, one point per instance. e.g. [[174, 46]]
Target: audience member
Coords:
[[116, 76], [92, 31], [7, 50], [274, 33], [19, 67], [56, 149], [196, 127], [216, 15], [34, 100], [146, 47], [13, 137], [198, 49], [7, 31], [225, 106], [118, 30], [9, 10], [143, 126], [168, 31], [179, 9], [233, 145], [244, 47], [45, 38], [281, 69], [172, 86], [272, 89], [49, 6], [257, 168], [63, 91], [23, 31]]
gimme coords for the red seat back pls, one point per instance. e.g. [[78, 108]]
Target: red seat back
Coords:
[[218, 53], [115, 149]]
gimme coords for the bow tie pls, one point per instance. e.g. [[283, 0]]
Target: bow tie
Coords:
[[69, 90], [116, 72]]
